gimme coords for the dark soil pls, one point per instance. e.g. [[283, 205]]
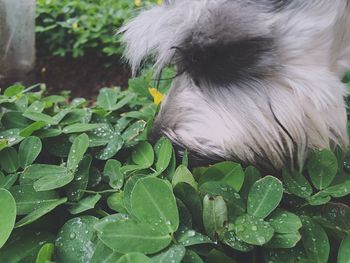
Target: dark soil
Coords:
[[83, 77]]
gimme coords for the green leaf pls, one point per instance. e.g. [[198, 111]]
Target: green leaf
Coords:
[[48, 133], [14, 90], [337, 191], [322, 168], [231, 240], [11, 136], [113, 147], [174, 254], [3, 144], [264, 196], [152, 200], [284, 222], [284, 240], [29, 149], [39, 212], [315, 240], [85, 204], [133, 131], [104, 254], [127, 236], [53, 181], [7, 215], [296, 184], [124, 101], [183, 175], [344, 251], [318, 199], [45, 254], [36, 106], [253, 230], [76, 240], [102, 223], [251, 176], [164, 152], [77, 151], [107, 98], [189, 237], [100, 136], [129, 186], [75, 190], [9, 160], [234, 203], [191, 257], [81, 127], [37, 116], [334, 216], [190, 197], [116, 202], [14, 119], [37, 171], [8, 181], [134, 258], [23, 246], [143, 155], [29, 130], [27, 199], [112, 171], [228, 172], [214, 215]]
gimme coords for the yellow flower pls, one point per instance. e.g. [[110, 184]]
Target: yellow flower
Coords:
[[157, 96], [137, 3], [75, 25], [159, 2]]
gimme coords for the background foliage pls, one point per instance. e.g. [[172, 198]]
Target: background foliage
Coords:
[[80, 182], [77, 27]]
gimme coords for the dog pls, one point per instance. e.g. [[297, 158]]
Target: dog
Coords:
[[258, 81]]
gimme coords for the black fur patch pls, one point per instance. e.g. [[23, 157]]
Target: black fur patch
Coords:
[[224, 63]]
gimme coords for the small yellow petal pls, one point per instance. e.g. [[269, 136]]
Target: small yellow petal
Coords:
[[157, 96], [75, 26], [137, 3]]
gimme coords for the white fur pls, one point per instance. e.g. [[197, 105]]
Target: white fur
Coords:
[[305, 94]]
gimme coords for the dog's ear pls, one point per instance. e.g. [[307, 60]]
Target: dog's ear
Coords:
[[150, 34]]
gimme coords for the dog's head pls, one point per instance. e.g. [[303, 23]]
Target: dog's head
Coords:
[[245, 76]]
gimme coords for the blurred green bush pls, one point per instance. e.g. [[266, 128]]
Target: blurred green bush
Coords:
[[76, 27]]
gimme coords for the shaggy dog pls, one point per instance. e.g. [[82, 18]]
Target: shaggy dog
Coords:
[[259, 81]]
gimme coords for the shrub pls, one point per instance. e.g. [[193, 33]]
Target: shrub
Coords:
[[80, 182], [76, 27]]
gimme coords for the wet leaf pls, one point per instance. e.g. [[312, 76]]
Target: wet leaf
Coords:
[[264, 196], [322, 168], [152, 200], [214, 215], [228, 172], [29, 149], [315, 240], [7, 215], [76, 240], [112, 171], [252, 230]]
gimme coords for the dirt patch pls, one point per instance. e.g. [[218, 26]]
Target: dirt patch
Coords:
[[83, 76]]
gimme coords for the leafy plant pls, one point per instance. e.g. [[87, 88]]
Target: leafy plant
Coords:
[[80, 182], [77, 27]]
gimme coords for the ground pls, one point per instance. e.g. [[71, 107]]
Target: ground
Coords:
[[84, 77]]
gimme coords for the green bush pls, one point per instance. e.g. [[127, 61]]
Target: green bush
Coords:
[[80, 182], [77, 27]]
